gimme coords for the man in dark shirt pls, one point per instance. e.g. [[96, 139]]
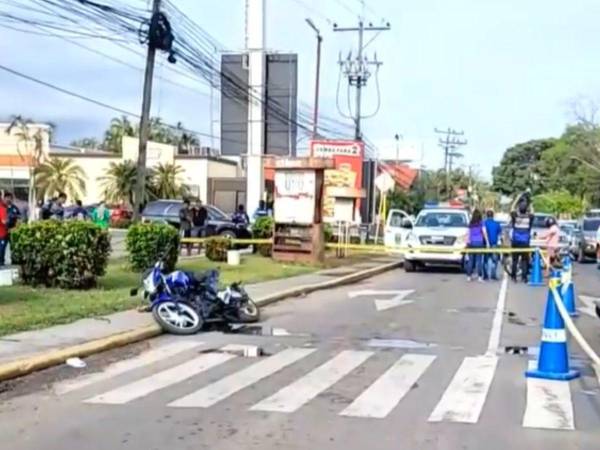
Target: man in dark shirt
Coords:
[[57, 210], [79, 213], [185, 224]]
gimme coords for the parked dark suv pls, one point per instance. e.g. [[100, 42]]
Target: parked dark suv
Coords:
[[217, 224]]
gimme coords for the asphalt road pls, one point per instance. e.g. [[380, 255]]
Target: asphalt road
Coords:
[[428, 370]]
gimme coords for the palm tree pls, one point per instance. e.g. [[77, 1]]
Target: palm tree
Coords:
[[113, 137], [60, 175], [31, 150], [119, 182], [166, 181]]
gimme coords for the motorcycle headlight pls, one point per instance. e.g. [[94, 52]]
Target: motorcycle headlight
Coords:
[[149, 284]]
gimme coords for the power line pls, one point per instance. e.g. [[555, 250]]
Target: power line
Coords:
[[450, 143]]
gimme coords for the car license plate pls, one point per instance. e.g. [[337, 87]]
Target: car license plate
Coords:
[[437, 239]]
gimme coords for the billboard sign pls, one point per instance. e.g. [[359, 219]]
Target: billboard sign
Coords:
[[295, 196], [347, 158]]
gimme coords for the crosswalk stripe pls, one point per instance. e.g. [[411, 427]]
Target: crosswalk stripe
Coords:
[[293, 396], [549, 404], [215, 392], [379, 399], [161, 380], [464, 398], [120, 367]]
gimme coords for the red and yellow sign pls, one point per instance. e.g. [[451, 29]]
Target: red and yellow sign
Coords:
[[347, 172]]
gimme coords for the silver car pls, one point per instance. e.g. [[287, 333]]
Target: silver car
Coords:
[[587, 238]]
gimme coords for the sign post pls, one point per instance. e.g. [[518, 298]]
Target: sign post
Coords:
[[298, 204]]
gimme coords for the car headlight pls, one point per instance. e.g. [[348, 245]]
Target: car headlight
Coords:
[[461, 240], [411, 239]]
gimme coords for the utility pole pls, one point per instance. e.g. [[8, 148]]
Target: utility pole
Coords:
[[357, 70], [318, 77], [140, 184], [159, 38], [450, 143]]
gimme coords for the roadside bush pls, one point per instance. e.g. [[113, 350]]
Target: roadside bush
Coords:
[[216, 248], [262, 228], [70, 254], [121, 224], [147, 242]]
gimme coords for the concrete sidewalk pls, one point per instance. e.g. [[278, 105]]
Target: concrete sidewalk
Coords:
[[29, 343]]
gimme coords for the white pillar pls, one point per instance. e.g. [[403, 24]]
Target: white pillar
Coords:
[[255, 42]]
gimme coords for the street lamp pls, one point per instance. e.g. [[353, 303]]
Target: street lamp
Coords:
[[398, 136], [316, 107]]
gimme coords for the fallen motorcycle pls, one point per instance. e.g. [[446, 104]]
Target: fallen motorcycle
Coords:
[[183, 303]]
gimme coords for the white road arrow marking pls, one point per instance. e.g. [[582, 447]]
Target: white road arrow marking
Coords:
[[381, 304], [377, 292], [590, 305]]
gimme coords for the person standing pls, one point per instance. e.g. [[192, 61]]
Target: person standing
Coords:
[[3, 231], [14, 215], [240, 217], [521, 223], [261, 211], [185, 224], [493, 231], [101, 215], [57, 210], [552, 241], [476, 239], [79, 213]]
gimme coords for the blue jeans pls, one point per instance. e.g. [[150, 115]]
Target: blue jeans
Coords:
[[491, 265], [3, 244], [475, 263]]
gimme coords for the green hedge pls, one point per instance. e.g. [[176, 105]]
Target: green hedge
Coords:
[[147, 242], [262, 228], [70, 254], [216, 248]]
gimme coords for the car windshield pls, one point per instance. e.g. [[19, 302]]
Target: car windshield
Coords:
[[442, 219], [216, 214], [591, 224]]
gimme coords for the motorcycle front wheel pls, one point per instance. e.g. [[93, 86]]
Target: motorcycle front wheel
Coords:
[[177, 318], [248, 312]]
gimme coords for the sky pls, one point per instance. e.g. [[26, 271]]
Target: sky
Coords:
[[504, 71]]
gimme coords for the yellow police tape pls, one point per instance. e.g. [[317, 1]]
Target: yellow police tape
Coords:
[[383, 248]]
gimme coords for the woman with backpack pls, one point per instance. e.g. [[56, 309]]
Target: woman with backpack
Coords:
[[476, 239]]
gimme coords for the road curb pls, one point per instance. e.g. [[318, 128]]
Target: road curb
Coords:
[[308, 288], [40, 361]]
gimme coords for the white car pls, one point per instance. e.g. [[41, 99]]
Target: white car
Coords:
[[438, 237]]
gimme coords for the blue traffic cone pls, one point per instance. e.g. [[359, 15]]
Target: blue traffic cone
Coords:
[[536, 278], [567, 288], [553, 360]]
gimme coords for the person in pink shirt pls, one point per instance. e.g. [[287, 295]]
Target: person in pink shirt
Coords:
[[552, 241]]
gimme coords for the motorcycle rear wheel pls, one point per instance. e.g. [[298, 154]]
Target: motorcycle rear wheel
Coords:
[[177, 318], [249, 312]]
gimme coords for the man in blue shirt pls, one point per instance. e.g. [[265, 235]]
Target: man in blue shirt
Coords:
[[493, 229]]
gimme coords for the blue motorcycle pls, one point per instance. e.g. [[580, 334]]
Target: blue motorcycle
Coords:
[[182, 302]]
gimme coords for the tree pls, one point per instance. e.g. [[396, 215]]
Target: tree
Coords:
[[519, 167], [166, 181], [118, 182], [60, 175], [560, 203], [113, 137], [90, 142], [31, 149]]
